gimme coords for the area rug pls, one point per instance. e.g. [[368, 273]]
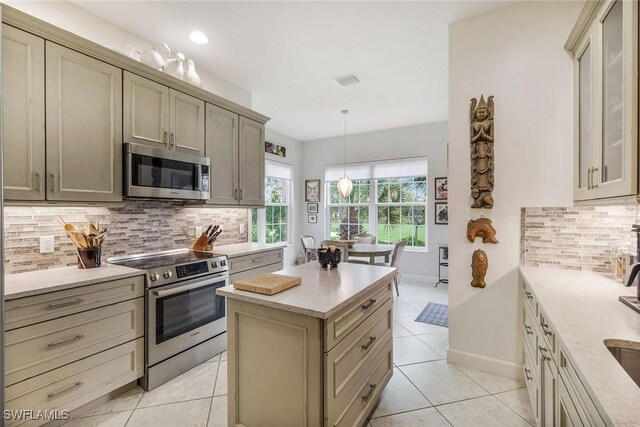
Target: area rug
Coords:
[[435, 314]]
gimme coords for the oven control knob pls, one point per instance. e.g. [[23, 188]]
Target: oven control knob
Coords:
[[223, 263], [214, 264], [167, 274], [154, 276]]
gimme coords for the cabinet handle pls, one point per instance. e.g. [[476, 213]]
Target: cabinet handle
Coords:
[[38, 183], [57, 393], [368, 305], [546, 331], [528, 328], [164, 137], [367, 396], [593, 178], [64, 304], [171, 139], [366, 346], [258, 260], [526, 373], [240, 194], [53, 182], [69, 341], [236, 194], [589, 178], [528, 295], [542, 351]]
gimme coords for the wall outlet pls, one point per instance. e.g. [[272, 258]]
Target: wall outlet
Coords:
[[197, 231], [47, 244], [241, 228]]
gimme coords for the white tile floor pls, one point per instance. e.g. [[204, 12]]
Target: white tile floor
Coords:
[[424, 391]]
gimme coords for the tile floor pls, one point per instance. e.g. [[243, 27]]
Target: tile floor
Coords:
[[424, 391]]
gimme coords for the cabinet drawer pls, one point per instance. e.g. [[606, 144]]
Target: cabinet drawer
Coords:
[[578, 393], [529, 299], [346, 320], [249, 262], [39, 348], [361, 398], [78, 383], [529, 330], [255, 272], [347, 358], [29, 310], [548, 338], [533, 383]]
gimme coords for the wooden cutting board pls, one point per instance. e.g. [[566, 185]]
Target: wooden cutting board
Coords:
[[267, 284]]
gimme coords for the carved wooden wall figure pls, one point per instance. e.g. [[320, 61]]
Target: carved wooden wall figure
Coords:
[[479, 266], [482, 228], [481, 132]]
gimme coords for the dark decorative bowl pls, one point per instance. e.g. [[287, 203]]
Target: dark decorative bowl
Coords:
[[328, 259]]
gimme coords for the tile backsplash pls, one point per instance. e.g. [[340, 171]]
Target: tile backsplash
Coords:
[[134, 227], [577, 238]]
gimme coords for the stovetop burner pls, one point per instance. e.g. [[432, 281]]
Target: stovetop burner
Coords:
[[153, 260]]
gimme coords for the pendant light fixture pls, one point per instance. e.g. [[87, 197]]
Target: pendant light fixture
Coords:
[[344, 184]]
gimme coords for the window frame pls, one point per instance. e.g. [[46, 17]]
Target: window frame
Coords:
[[261, 213]]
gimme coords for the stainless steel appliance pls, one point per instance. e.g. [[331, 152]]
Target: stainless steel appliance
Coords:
[[185, 320], [155, 173]]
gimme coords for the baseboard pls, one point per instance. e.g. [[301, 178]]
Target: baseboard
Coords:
[[491, 365], [418, 277]]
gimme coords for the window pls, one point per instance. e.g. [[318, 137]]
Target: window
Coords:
[[389, 200], [271, 224]]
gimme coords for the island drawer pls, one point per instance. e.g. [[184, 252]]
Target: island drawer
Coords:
[[346, 360], [340, 324], [26, 311], [251, 261], [78, 383], [363, 395], [39, 348]]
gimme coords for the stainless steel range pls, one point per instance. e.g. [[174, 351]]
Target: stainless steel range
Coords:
[[185, 319]]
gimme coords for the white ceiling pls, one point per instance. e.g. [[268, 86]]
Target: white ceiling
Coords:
[[288, 53]]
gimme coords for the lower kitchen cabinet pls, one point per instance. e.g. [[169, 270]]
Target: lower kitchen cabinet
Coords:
[[244, 266], [66, 348]]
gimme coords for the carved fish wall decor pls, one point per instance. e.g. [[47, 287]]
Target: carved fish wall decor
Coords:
[[483, 228], [479, 267]]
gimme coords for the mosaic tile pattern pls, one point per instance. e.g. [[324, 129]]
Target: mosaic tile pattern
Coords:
[[577, 238], [134, 227]]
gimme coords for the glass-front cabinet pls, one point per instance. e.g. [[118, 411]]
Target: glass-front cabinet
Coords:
[[604, 44]]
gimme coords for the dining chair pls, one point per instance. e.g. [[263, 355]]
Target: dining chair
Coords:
[[308, 246], [398, 250], [365, 238], [344, 256]]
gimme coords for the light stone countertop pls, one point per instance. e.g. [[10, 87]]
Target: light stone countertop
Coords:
[[322, 292], [583, 308], [239, 249], [56, 279]]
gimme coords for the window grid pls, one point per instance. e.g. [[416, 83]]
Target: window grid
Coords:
[[271, 223]]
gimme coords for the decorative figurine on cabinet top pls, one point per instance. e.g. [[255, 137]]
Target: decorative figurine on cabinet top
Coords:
[[479, 266], [481, 133], [482, 228]]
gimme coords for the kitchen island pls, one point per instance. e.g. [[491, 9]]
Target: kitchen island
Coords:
[[316, 354]]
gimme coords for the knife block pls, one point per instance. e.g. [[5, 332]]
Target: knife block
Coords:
[[201, 244]]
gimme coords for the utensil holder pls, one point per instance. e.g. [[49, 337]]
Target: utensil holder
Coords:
[[91, 257], [201, 244]]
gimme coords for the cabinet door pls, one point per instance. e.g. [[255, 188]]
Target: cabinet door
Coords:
[[23, 114], [146, 111], [583, 111], [615, 166], [567, 413], [222, 150], [548, 389], [84, 127], [187, 123], [251, 149]]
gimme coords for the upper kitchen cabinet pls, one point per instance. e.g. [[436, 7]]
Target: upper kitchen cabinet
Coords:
[[604, 44], [158, 116], [23, 113], [84, 127], [235, 145]]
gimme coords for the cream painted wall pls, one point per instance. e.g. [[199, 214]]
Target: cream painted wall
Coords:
[[74, 19], [422, 140], [516, 54], [294, 158]]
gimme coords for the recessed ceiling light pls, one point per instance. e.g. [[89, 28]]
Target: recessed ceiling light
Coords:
[[198, 37]]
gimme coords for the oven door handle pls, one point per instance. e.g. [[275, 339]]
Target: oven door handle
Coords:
[[188, 287]]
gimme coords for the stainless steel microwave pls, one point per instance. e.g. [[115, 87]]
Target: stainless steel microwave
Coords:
[[156, 173]]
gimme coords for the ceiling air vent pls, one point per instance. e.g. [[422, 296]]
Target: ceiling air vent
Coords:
[[348, 80]]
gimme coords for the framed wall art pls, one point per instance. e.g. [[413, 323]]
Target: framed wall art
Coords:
[[312, 218], [442, 213], [442, 188], [275, 149], [312, 208], [312, 190]]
